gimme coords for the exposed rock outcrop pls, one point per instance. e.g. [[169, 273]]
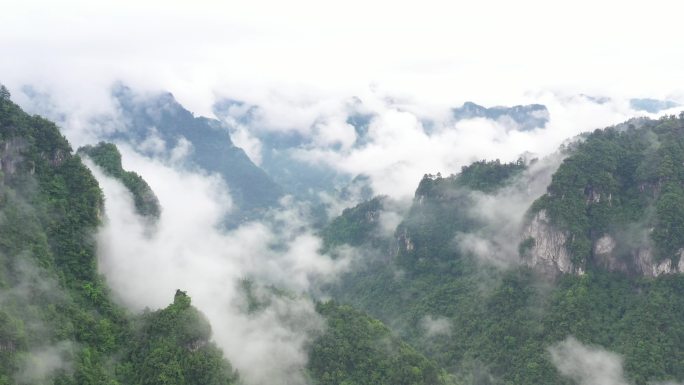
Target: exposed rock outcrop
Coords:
[[10, 155], [639, 260], [547, 252]]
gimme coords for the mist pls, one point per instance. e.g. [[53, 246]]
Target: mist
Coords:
[[188, 249], [305, 68], [502, 214], [590, 365]]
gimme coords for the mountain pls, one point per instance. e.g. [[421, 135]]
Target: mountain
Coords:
[[358, 349], [525, 117], [489, 269], [58, 322], [616, 202], [108, 157], [473, 291], [278, 151], [652, 106], [172, 345], [158, 124]]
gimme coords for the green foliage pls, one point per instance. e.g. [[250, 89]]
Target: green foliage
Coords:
[[357, 349], [621, 176], [501, 323], [356, 226], [108, 157], [50, 205], [51, 296], [4, 92], [171, 346], [442, 208], [489, 176]]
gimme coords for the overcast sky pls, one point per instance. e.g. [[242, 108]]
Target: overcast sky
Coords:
[[441, 52], [302, 61]]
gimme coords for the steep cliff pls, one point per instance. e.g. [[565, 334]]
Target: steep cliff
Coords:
[[108, 157], [616, 202]]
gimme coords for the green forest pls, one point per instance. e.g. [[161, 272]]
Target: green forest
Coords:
[[501, 322], [419, 310], [108, 157], [55, 301]]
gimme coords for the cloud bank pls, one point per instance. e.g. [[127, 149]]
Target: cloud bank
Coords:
[[187, 250]]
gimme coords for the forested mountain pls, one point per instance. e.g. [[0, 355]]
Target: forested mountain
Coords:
[[59, 323], [616, 202], [611, 210], [108, 157], [357, 349], [488, 269]]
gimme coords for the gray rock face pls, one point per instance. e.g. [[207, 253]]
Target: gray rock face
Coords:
[[10, 155], [638, 261], [548, 253]]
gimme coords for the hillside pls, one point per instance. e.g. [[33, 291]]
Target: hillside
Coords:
[[464, 291], [489, 322], [108, 157], [58, 323], [159, 125], [616, 202]]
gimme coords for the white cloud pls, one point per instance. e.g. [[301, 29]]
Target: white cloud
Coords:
[[590, 365], [188, 250], [41, 363], [587, 365], [436, 326], [302, 62], [438, 52]]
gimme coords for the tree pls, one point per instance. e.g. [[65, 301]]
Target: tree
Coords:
[[4, 92]]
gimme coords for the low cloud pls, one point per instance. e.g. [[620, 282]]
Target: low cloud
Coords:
[[587, 365], [405, 141], [41, 364], [502, 214], [590, 365], [189, 250], [435, 326]]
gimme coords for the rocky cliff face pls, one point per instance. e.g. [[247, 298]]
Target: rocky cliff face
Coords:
[[639, 260], [543, 247], [546, 247], [11, 156]]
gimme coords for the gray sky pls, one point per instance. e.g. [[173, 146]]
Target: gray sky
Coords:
[[441, 52], [302, 61]]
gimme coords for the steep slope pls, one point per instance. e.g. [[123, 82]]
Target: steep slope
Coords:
[[357, 349], [278, 151], [108, 157], [616, 202], [172, 345], [55, 301], [160, 124], [58, 323], [488, 324]]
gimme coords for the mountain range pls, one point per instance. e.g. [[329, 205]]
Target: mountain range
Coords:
[[488, 270]]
